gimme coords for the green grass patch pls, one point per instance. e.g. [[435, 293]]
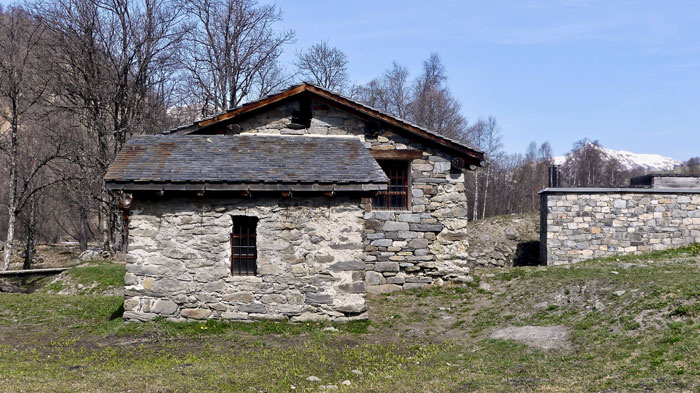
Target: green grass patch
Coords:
[[258, 328], [679, 252], [99, 277], [513, 273]]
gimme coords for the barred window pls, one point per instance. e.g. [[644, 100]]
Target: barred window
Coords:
[[244, 254], [396, 195]]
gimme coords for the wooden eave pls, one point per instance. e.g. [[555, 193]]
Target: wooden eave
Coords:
[[396, 154], [253, 106], [247, 187]]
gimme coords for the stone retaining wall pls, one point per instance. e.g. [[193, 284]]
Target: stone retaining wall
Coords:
[[579, 224], [404, 249], [310, 259]]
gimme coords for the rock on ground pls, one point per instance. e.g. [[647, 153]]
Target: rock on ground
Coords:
[[89, 255], [544, 337]]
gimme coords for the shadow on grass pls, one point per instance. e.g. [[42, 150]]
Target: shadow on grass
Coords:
[[118, 313]]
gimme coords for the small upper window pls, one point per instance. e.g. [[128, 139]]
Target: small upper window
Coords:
[[244, 253], [396, 195]]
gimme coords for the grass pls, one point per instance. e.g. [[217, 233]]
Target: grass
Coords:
[[103, 276], [633, 330], [94, 277]]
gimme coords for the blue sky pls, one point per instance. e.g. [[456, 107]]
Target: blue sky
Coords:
[[624, 72]]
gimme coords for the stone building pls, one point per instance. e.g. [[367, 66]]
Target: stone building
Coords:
[[294, 206], [657, 213]]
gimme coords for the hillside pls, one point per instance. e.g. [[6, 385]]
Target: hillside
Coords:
[[632, 161], [505, 240], [625, 325]]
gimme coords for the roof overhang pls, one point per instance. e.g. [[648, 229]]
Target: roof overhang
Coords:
[[251, 187]]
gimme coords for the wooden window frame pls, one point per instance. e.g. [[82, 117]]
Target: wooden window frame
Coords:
[[244, 250], [397, 190]]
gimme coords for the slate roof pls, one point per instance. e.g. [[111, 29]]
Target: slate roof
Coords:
[[248, 159], [314, 89]]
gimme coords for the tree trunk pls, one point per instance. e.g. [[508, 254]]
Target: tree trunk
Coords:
[[475, 213], [105, 219], [29, 247], [117, 230], [12, 194], [10, 238], [83, 229], [486, 189]]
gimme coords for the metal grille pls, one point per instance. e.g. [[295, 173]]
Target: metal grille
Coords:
[[396, 195], [243, 251]]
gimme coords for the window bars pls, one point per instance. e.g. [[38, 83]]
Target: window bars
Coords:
[[244, 253], [396, 195]]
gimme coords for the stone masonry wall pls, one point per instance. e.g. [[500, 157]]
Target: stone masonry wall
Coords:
[[405, 249], [579, 225], [310, 260]]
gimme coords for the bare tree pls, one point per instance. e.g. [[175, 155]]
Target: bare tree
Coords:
[[21, 89], [433, 106], [427, 101], [272, 79], [584, 164], [692, 166], [373, 94], [325, 65], [589, 166], [113, 57], [477, 137], [231, 51], [398, 91], [492, 147]]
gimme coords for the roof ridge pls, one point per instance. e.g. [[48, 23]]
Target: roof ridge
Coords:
[[320, 91], [251, 134]]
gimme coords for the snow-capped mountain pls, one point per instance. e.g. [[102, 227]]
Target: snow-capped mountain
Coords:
[[629, 160]]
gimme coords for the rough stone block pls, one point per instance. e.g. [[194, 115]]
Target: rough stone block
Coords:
[[414, 285], [398, 280], [426, 227], [234, 316], [347, 265], [409, 235], [408, 217], [386, 266], [354, 306], [195, 313], [318, 298], [373, 278], [252, 308], [382, 242], [386, 288], [419, 243], [393, 226], [164, 307], [353, 287], [384, 216]]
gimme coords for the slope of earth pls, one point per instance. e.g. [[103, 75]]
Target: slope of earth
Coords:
[[505, 240], [625, 325], [47, 256]]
